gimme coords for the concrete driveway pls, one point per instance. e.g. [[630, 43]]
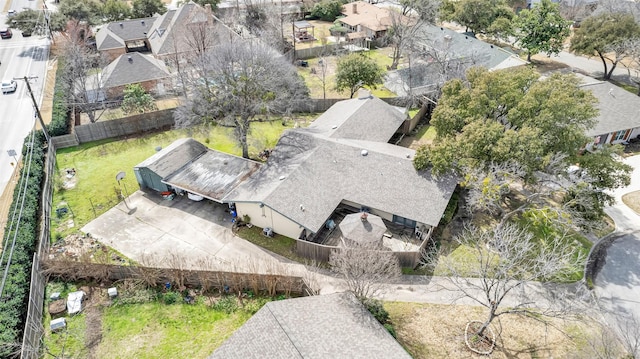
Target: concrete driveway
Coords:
[[159, 232]]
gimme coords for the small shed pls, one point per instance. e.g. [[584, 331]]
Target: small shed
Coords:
[[167, 161]]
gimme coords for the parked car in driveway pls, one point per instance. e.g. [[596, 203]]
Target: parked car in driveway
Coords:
[[9, 86]]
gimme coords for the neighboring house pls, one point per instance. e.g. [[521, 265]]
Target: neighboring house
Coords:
[[189, 28], [619, 112], [324, 326], [135, 68], [189, 166], [445, 54], [364, 20], [343, 160]]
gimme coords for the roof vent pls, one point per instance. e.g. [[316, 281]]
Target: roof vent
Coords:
[[142, 21], [611, 92], [447, 37], [282, 178], [130, 58], [121, 24], [364, 152], [334, 127]]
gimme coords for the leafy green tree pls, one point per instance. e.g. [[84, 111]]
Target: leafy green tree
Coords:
[[147, 8], [33, 21], [606, 35], [115, 10], [356, 70], [505, 116], [541, 29], [476, 15], [327, 10], [81, 10], [137, 100]]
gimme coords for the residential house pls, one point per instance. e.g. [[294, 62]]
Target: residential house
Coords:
[[324, 326], [365, 20], [343, 160], [189, 28], [618, 119], [444, 54], [135, 68]]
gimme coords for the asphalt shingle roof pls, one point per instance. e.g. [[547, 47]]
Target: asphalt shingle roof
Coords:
[[326, 326], [618, 108], [114, 34], [132, 68], [311, 168]]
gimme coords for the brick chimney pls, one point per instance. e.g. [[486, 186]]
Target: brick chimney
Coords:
[[355, 8]]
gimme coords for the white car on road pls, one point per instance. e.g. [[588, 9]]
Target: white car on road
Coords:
[[9, 86]]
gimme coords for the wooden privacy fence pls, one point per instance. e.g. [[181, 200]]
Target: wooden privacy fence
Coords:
[[270, 284]]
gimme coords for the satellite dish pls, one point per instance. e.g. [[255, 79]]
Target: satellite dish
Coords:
[[120, 176]]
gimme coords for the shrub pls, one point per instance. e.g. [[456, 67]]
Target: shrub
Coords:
[[60, 113], [391, 330], [327, 10], [227, 304], [13, 306], [171, 297], [375, 307]]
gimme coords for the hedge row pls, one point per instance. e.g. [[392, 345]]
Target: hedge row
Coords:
[[60, 113], [14, 300]]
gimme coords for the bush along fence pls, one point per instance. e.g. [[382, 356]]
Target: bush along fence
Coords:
[[230, 282], [19, 246], [60, 112]]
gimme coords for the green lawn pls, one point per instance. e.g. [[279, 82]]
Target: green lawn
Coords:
[[281, 245], [97, 164], [315, 83], [152, 329]]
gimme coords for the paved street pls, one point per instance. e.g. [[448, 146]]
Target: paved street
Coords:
[[618, 281], [19, 57]]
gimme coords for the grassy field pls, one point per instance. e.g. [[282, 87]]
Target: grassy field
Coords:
[[436, 331], [153, 329], [94, 189], [313, 76]]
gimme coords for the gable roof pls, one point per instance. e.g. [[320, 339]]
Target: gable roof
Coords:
[[367, 118], [326, 326], [314, 169], [170, 159], [367, 15], [170, 32], [114, 34], [461, 50], [132, 68], [618, 108]]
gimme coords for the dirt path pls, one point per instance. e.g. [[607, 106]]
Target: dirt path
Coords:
[[93, 312]]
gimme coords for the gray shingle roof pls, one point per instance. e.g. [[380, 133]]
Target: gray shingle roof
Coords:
[[619, 108], [114, 34], [309, 168], [459, 48], [133, 68], [173, 157], [327, 326], [361, 118], [213, 174]]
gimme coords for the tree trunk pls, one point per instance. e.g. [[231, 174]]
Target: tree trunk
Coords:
[[396, 58], [528, 56], [610, 73], [492, 315], [604, 62], [243, 127]]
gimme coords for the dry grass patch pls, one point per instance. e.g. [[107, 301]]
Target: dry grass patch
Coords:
[[632, 200], [436, 331]]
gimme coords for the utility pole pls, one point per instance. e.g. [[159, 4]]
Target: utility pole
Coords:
[[35, 105]]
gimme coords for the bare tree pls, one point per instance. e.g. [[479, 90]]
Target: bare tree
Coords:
[[364, 268], [402, 30], [501, 262], [240, 81], [82, 73]]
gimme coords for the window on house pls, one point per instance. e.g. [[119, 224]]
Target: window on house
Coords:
[[619, 135], [404, 221]]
